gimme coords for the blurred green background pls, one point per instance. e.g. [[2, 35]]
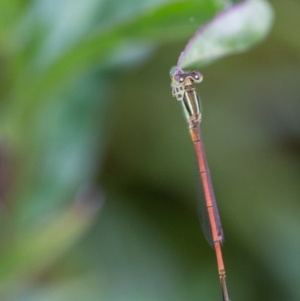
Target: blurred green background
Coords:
[[87, 115]]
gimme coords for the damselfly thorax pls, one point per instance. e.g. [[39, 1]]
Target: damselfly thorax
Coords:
[[183, 90]]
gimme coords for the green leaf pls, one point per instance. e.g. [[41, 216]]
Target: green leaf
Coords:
[[235, 30]]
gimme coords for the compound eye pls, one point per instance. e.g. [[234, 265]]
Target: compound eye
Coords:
[[197, 76], [178, 77]]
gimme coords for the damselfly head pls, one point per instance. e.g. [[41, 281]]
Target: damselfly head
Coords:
[[180, 77]]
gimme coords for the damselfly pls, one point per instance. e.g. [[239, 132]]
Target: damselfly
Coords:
[[183, 90]]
